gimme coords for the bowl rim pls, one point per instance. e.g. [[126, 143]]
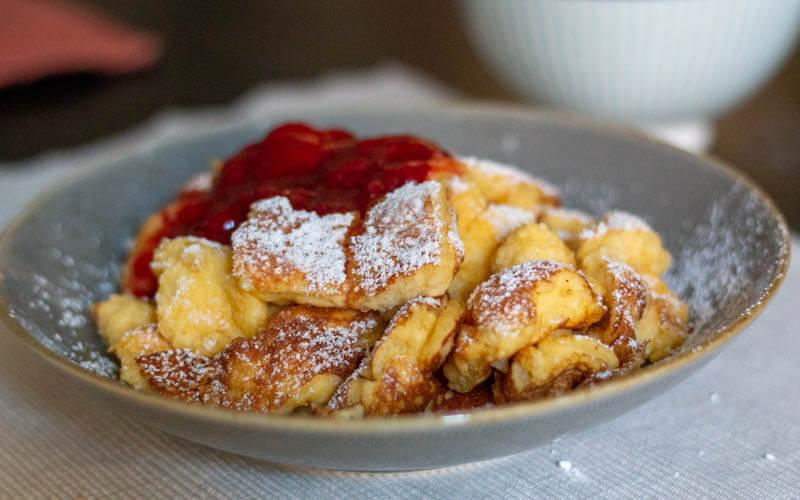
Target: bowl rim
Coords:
[[404, 423]]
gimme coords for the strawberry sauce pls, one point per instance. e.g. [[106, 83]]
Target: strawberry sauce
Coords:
[[324, 171]]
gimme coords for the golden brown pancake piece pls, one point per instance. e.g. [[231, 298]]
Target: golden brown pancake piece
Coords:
[[298, 360]]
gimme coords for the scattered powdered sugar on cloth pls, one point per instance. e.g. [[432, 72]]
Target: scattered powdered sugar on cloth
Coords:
[[571, 471]]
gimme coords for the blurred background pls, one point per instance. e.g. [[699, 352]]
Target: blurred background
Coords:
[[107, 74]]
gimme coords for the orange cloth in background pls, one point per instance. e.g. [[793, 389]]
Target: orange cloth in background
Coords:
[[39, 38]]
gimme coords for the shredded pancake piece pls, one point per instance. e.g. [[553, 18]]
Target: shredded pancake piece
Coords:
[[292, 255], [400, 236], [553, 366], [510, 186], [514, 308], [626, 296], [398, 376], [406, 245], [625, 238], [298, 360]]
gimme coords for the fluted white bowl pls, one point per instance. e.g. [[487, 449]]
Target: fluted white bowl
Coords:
[[642, 62]]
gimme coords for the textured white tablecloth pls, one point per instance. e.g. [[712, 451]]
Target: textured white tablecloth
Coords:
[[732, 430]]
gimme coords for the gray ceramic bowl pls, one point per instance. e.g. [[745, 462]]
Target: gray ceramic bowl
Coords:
[[729, 242]]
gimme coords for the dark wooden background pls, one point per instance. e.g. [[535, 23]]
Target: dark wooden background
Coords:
[[215, 50]]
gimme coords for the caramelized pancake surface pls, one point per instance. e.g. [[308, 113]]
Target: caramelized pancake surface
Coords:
[[299, 359]]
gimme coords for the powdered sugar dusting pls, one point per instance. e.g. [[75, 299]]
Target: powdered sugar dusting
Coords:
[[503, 301], [603, 375], [568, 213], [304, 348], [61, 298], [147, 338], [719, 265], [628, 284], [457, 184], [506, 218], [422, 299], [191, 253], [596, 197], [339, 398], [402, 233], [571, 471], [453, 236], [179, 372], [281, 240], [494, 168], [405, 309], [616, 220], [270, 368]]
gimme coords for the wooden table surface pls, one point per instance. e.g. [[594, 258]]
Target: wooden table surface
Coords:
[[214, 51]]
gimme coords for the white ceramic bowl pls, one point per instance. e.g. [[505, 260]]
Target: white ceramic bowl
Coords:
[[643, 62]]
